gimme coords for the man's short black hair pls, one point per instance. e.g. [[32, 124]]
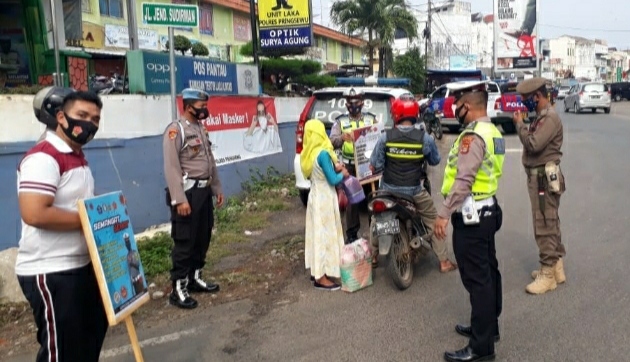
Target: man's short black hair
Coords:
[[90, 97], [190, 102]]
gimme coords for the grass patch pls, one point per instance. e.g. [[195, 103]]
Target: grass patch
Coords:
[[263, 194]]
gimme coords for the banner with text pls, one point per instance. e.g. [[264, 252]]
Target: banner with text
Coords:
[[515, 34], [114, 253], [285, 24], [241, 128], [212, 76]]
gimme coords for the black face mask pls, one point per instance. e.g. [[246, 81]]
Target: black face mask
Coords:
[[200, 113], [460, 118], [79, 131]]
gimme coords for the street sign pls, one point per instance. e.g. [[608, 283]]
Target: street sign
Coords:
[[175, 15]]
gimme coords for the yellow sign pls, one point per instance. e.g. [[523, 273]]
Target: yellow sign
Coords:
[[283, 13], [93, 36]]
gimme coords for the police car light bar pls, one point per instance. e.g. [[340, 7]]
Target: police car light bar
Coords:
[[371, 81]]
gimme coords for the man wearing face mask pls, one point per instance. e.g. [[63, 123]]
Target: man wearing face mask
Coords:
[[53, 264], [341, 138], [193, 180], [542, 143], [471, 180]]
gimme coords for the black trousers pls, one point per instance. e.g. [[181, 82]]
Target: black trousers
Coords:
[[69, 315], [353, 221], [475, 252], [192, 233]]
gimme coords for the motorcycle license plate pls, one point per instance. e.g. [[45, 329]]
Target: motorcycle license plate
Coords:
[[389, 227]]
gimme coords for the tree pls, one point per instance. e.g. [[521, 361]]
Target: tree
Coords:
[[199, 49], [412, 65], [182, 44], [379, 19]]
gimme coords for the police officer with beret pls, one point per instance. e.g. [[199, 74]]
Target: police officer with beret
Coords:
[[471, 180], [193, 179], [542, 143]]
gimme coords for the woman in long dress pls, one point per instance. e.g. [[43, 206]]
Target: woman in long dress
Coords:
[[262, 136], [324, 233]]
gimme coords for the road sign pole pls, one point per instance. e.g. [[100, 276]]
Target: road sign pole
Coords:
[[171, 61], [57, 78], [255, 42]]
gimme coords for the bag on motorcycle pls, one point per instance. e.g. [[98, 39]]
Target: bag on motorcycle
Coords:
[[356, 266]]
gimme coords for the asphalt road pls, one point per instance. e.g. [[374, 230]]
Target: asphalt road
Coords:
[[585, 319]]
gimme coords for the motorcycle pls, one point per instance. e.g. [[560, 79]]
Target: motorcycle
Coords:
[[100, 84], [431, 121], [402, 236], [121, 85]]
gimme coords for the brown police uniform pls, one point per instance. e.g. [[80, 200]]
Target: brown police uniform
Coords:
[[192, 176], [542, 143]]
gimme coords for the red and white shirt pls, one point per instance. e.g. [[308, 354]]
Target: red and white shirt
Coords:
[[52, 168]]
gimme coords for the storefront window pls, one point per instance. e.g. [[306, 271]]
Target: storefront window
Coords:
[[113, 8]]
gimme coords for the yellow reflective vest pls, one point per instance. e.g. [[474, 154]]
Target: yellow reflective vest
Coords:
[[487, 178]]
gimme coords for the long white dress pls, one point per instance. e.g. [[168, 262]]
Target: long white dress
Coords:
[[264, 139], [323, 242]]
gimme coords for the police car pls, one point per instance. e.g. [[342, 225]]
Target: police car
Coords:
[[327, 104], [443, 103]]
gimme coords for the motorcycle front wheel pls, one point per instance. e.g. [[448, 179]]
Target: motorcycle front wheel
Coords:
[[400, 266], [437, 130]]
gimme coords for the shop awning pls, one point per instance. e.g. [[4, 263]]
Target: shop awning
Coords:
[[107, 52]]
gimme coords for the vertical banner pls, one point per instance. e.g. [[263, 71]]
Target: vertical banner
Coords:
[[114, 255], [72, 21], [515, 35], [241, 128], [285, 24], [365, 141]]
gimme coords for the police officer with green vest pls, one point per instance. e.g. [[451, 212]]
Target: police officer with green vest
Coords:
[[471, 180], [341, 138]]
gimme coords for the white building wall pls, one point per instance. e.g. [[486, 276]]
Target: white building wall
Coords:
[[482, 43], [564, 48]]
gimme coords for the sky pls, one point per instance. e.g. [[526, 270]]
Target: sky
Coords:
[[603, 19]]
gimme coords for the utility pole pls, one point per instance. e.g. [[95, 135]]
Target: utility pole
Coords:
[[253, 19], [427, 45], [132, 25]]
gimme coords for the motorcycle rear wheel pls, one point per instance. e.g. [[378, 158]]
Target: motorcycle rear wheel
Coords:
[[400, 266]]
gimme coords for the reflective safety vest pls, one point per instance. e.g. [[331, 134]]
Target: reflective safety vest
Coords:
[[347, 126], [404, 157], [487, 178]]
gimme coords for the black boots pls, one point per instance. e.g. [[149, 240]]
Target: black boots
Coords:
[[179, 296], [198, 285]]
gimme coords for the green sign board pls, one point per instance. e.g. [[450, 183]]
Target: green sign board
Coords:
[[175, 15], [619, 75]]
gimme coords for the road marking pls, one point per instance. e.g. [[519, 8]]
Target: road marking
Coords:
[[114, 352], [513, 150]]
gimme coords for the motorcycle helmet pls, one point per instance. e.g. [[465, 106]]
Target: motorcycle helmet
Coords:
[[405, 110], [47, 102]]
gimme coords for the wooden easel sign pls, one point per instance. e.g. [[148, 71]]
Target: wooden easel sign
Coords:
[[365, 139], [116, 260]]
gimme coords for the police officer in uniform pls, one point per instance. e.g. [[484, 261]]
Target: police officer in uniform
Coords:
[[471, 180], [46, 103], [193, 180], [341, 138], [542, 143], [403, 153]]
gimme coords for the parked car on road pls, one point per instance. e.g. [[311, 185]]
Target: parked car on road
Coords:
[[563, 91], [620, 91], [505, 106], [326, 105], [592, 95]]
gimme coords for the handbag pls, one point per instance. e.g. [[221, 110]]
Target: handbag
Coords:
[[343, 200]]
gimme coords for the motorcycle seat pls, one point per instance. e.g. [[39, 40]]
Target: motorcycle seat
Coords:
[[385, 193]]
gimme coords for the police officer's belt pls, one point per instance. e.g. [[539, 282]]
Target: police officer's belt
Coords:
[[201, 184], [347, 161], [535, 171], [480, 204]]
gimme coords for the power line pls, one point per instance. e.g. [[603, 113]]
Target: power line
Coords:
[[585, 29]]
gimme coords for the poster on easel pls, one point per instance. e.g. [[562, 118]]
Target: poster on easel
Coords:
[[365, 139], [114, 254]]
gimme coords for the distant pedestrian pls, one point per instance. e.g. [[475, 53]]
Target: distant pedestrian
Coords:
[[542, 144], [193, 180], [53, 264], [324, 233]]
